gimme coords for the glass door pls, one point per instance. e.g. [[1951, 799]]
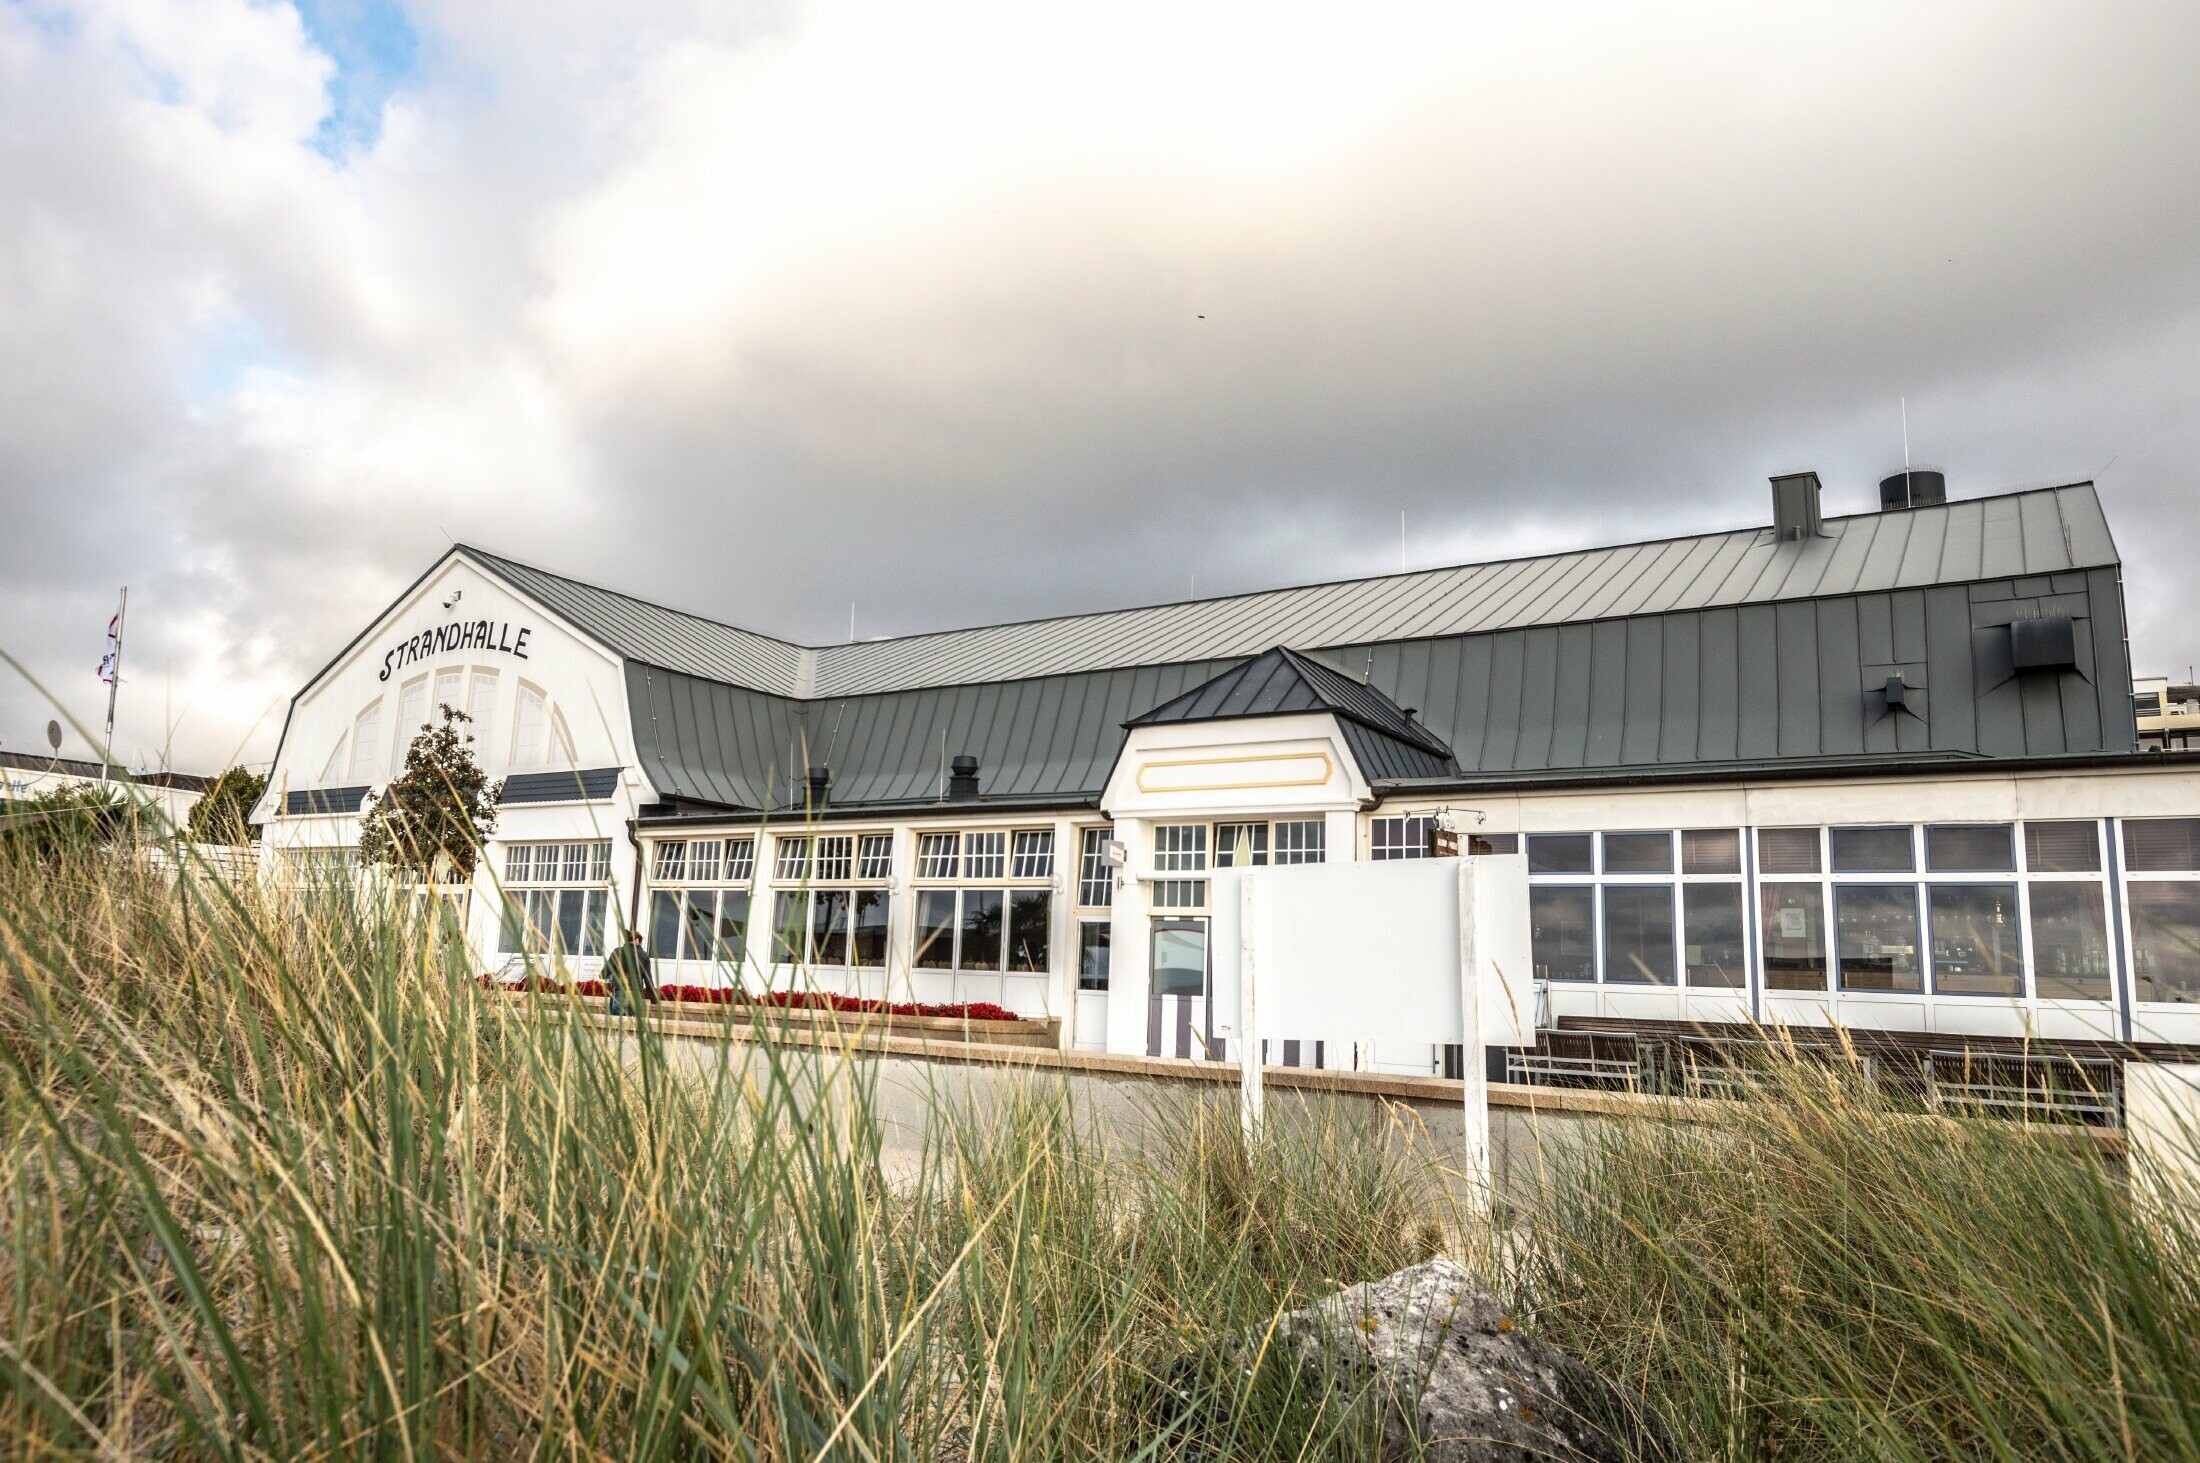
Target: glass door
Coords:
[[1180, 1010]]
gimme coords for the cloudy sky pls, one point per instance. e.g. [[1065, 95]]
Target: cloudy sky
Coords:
[[961, 311]]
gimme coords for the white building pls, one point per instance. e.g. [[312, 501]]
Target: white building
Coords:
[[1878, 770], [27, 775]]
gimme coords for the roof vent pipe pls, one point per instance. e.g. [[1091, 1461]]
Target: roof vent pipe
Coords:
[[1795, 512], [962, 781], [820, 779]]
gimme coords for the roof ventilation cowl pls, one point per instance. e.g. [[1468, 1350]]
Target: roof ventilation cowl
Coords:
[[1795, 513], [817, 784], [1913, 487], [962, 780]]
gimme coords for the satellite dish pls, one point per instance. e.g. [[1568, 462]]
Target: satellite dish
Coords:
[[53, 735]]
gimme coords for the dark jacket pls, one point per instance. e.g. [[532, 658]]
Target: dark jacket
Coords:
[[628, 969]]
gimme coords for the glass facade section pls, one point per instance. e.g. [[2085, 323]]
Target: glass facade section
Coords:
[[935, 939], [1793, 937], [2165, 940], [1638, 853], [1872, 851], [1876, 929], [1561, 853], [2070, 940], [1711, 936], [1561, 925], [1638, 934], [1978, 947], [1030, 923], [1711, 851], [1970, 848]]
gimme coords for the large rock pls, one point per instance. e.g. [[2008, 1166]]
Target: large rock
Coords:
[[1451, 1369]]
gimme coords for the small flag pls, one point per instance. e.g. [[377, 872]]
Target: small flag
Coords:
[[114, 651]]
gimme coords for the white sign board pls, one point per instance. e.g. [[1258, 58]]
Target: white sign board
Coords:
[[1374, 952]]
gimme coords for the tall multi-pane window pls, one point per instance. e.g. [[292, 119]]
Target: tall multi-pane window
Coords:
[[1095, 890], [557, 896], [1638, 907], [1257, 845], [996, 911], [1180, 848], [2068, 917], [481, 703], [530, 730], [447, 693], [366, 742], [1714, 953], [412, 711], [708, 919], [2162, 864], [831, 907], [1792, 908], [1095, 875]]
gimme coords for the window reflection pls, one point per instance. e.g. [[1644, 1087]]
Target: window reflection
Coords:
[[1638, 934], [981, 930], [1976, 951], [870, 928], [1030, 917], [1876, 927], [1711, 926], [2069, 942], [1093, 939], [2165, 941], [1560, 919], [1794, 938], [935, 930], [1179, 958]]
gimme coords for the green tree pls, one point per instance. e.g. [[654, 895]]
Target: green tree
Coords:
[[434, 816], [224, 813]]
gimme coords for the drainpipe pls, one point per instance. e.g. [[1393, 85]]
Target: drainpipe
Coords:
[[634, 894]]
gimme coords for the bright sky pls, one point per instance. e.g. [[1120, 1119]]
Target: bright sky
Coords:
[[963, 311]]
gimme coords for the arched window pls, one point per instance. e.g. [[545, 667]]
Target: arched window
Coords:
[[481, 705], [530, 729], [334, 766], [561, 740], [366, 737], [412, 711]]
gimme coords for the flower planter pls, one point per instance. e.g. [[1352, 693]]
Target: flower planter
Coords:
[[820, 1014]]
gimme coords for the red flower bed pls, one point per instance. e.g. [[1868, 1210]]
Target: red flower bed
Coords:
[[703, 995]]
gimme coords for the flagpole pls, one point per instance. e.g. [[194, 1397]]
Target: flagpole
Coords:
[[106, 753]]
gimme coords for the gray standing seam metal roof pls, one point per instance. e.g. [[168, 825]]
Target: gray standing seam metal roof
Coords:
[[1280, 682], [2039, 531], [1052, 736]]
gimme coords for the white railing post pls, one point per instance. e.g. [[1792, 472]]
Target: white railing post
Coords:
[[1474, 1064], [1250, 1103]]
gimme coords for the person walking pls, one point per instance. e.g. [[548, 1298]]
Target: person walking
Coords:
[[627, 973]]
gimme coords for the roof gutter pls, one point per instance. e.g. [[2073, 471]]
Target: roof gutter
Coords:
[[962, 811], [1967, 764]]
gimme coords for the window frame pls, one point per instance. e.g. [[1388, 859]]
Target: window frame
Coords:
[[1599, 877], [2129, 882], [798, 871]]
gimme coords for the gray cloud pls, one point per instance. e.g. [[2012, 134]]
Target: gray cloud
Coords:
[[767, 315]]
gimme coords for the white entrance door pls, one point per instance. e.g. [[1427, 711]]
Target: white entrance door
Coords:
[[1180, 1014]]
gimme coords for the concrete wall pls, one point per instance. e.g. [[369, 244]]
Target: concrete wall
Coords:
[[1126, 1103]]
